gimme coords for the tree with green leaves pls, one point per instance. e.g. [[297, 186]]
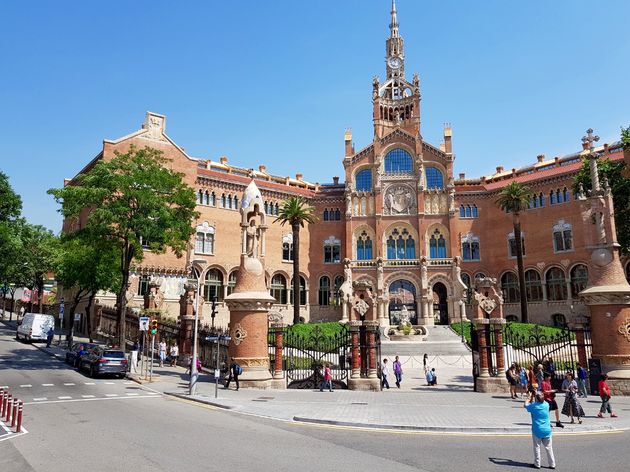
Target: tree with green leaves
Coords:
[[296, 212], [134, 200], [84, 266], [10, 209], [616, 174], [514, 198], [40, 246]]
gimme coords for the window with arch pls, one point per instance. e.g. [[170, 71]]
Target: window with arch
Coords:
[[278, 289], [533, 286], [437, 245], [469, 290], [337, 294], [398, 161], [287, 247], [509, 287], [470, 247], [213, 199], [223, 200], [559, 320], [302, 292], [143, 285], [562, 237], [204, 239], [556, 284], [200, 197], [512, 245], [363, 181], [332, 250], [231, 282], [468, 211], [326, 215], [324, 291], [511, 318], [579, 279], [213, 285], [537, 201], [400, 245], [364, 247], [434, 177]]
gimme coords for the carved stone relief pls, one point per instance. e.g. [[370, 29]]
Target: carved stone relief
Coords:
[[399, 200]]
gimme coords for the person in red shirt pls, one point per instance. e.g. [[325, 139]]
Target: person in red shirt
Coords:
[[550, 397], [605, 394]]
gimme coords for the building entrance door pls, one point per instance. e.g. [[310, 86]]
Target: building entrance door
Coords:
[[402, 294], [440, 304]]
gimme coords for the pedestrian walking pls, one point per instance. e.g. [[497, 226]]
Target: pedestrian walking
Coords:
[[538, 408], [540, 376], [22, 310], [135, 348], [605, 394], [397, 371], [551, 367], [532, 383], [327, 379], [523, 380], [174, 354], [50, 335], [384, 374], [235, 371], [571, 405], [582, 375], [425, 362], [512, 377], [550, 397], [162, 352]]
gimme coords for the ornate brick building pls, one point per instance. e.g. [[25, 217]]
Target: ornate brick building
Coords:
[[401, 221]]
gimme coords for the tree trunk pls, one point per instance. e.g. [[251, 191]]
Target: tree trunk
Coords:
[[12, 305], [70, 320], [296, 273], [518, 242], [127, 257], [88, 316], [40, 294]]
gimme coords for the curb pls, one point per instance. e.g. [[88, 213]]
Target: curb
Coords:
[[183, 396]]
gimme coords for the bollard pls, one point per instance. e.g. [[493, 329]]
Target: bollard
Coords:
[[15, 410], [2, 393], [3, 403], [7, 408], [18, 428]]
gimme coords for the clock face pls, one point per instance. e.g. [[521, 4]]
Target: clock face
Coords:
[[395, 62]]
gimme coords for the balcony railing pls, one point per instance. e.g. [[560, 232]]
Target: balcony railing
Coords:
[[443, 262]]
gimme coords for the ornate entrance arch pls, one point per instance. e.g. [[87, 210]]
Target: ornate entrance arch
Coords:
[[402, 293], [440, 303]]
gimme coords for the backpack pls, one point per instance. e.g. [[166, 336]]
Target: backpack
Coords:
[[238, 369]]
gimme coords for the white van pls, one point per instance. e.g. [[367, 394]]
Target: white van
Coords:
[[34, 327]]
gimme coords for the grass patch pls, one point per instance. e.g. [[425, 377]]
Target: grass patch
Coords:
[[522, 330], [312, 336]]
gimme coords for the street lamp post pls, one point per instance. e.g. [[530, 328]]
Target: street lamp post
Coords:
[[461, 318], [194, 373]]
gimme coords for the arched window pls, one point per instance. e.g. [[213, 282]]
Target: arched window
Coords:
[[512, 244], [223, 200], [278, 289], [337, 215], [229, 199], [363, 181], [213, 286], [337, 294], [562, 237], [200, 197], [326, 214], [235, 202], [559, 320], [266, 208], [556, 284], [434, 177], [437, 245], [398, 161], [332, 250], [324, 290], [470, 247], [204, 239], [509, 287], [302, 292], [533, 286], [276, 210], [579, 278], [462, 211], [552, 198], [541, 200], [206, 197], [400, 245], [469, 291], [231, 282], [364, 247], [475, 212], [566, 196], [287, 247], [213, 199], [143, 285]]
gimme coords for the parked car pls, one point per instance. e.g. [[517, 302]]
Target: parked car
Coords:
[[101, 360], [72, 356], [34, 327]]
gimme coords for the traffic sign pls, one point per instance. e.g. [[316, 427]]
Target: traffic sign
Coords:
[[218, 338], [77, 317], [144, 323]]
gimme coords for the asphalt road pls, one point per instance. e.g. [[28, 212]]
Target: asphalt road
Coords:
[[113, 425]]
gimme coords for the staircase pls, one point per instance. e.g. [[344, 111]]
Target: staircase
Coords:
[[440, 341]]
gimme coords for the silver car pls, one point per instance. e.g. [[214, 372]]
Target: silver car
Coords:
[[101, 360]]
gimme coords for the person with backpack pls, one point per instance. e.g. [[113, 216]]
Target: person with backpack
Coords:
[[235, 371]]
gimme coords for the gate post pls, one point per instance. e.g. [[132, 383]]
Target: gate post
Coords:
[[371, 326], [278, 329], [356, 362], [372, 382], [480, 331], [498, 324], [580, 342]]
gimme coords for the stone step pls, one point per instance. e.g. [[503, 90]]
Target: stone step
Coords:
[[439, 341]]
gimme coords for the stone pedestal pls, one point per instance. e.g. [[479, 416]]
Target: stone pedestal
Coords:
[[187, 320]]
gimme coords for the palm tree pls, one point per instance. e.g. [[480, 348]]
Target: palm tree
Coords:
[[515, 198], [296, 212]]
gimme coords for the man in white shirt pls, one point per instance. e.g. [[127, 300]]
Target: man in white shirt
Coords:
[[384, 374], [162, 353]]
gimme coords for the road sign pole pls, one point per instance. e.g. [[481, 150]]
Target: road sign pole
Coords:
[[217, 371], [152, 347]]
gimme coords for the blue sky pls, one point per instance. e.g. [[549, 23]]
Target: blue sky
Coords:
[[277, 82]]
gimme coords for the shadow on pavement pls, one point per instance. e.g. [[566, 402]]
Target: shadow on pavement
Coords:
[[509, 462]]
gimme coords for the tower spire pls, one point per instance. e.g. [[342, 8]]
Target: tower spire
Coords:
[[393, 26]]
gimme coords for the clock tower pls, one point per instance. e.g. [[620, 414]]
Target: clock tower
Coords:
[[396, 101]]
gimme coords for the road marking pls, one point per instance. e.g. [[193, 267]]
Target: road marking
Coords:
[[133, 394], [26, 386], [75, 400], [40, 399], [48, 385], [154, 393], [89, 383], [87, 396], [111, 394], [128, 382], [64, 398], [109, 383], [68, 384]]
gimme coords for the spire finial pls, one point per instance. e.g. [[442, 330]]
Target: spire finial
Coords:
[[394, 24]]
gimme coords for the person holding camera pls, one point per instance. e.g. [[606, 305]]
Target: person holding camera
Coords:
[[538, 408]]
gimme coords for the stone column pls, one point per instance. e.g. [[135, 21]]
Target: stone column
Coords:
[[354, 339], [278, 332], [371, 327], [186, 319], [497, 326], [480, 330]]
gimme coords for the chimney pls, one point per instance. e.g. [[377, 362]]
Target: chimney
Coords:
[[499, 169], [336, 180], [462, 176], [347, 138], [223, 160], [540, 158], [299, 176], [557, 160], [448, 137], [66, 181], [262, 168]]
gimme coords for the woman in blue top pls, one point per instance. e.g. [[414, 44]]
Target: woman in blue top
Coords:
[[536, 405]]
